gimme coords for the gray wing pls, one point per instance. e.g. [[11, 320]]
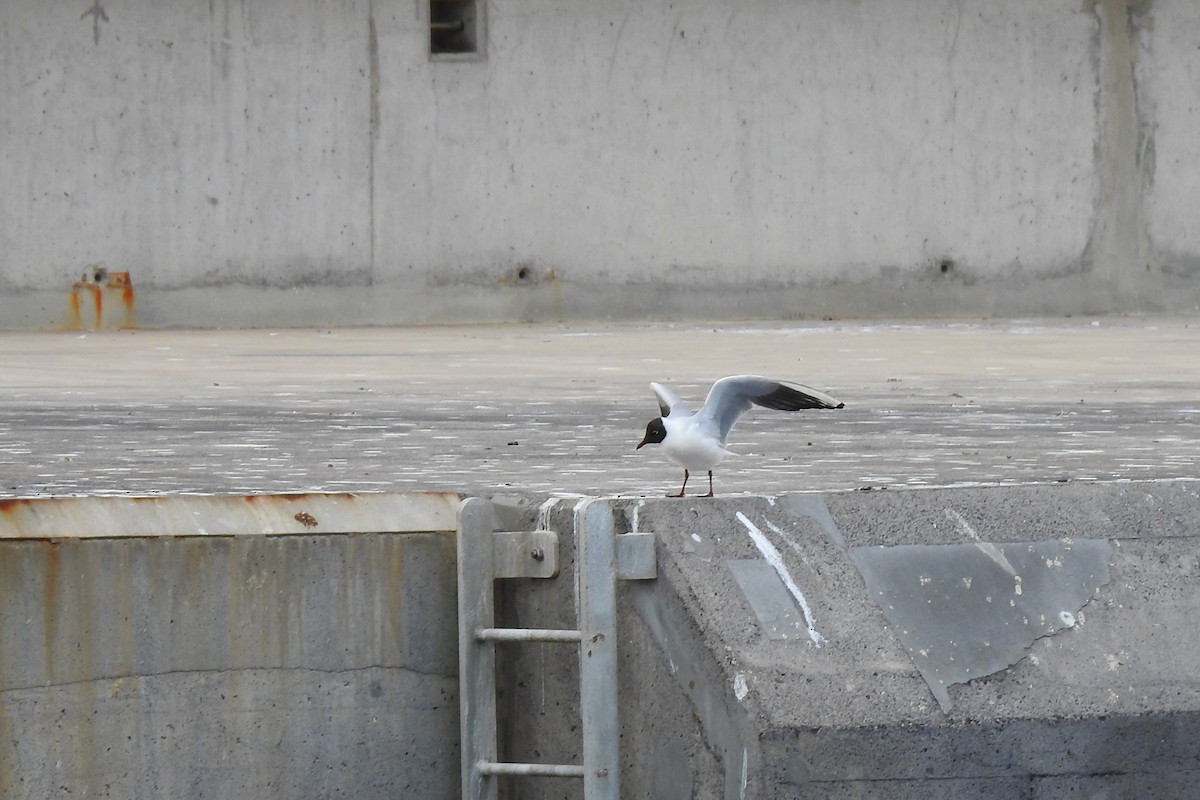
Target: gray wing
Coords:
[[731, 397], [668, 401]]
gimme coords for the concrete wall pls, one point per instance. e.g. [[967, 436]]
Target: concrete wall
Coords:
[[732, 690], [324, 664], [227, 666], [292, 163]]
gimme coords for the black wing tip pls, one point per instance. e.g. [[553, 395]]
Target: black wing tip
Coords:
[[789, 398]]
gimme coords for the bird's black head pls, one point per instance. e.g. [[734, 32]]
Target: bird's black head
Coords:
[[655, 433]]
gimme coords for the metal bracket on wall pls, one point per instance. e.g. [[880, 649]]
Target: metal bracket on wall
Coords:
[[603, 557]]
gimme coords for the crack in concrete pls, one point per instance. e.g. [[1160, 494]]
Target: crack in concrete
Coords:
[[223, 671]]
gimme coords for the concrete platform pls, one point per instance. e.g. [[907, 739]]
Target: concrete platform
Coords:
[[1006, 612], [559, 408], [1060, 692], [796, 646]]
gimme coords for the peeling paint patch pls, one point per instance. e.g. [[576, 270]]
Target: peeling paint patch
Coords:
[[945, 602]]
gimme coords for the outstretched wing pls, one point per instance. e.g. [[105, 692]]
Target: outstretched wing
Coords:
[[668, 401], [731, 397]]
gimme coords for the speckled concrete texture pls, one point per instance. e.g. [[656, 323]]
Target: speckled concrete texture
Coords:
[[846, 713], [559, 408], [229, 666]]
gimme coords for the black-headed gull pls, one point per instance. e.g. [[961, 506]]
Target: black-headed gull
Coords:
[[697, 441]]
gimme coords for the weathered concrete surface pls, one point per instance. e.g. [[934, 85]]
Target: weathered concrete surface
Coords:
[[224, 515], [301, 664], [714, 707], [303, 163], [1161, 71], [1072, 428], [229, 666], [559, 409]]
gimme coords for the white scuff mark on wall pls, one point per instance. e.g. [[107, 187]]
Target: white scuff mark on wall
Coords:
[[740, 689], [989, 549], [772, 556], [791, 542], [633, 519], [543, 520]]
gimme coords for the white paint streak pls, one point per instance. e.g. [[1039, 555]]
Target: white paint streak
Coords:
[[771, 554], [543, 521]]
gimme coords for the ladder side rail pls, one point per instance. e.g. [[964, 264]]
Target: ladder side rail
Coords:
[[596, 577], [477, 660]]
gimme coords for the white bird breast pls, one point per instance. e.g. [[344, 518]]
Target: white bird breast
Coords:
[[689, 446]]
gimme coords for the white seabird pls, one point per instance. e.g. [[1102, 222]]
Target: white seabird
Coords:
[[697, 441]]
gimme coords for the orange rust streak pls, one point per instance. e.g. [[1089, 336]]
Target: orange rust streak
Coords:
[[98, 299], [122, 281], [127, 299], [11, 504], [74, 321]]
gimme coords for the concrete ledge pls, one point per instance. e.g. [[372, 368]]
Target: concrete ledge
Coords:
[[767, 660], [232, 665], [226, 515], [821, 697], [1112, 694]]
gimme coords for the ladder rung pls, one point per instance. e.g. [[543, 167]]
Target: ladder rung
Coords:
[[508, 768], [526, 635]]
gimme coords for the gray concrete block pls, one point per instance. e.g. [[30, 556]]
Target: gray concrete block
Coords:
[[251, 666], [376, 732], [283, 666], [1106, 702]]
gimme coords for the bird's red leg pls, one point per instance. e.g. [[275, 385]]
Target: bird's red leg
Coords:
[[681, 488], [710, 491]]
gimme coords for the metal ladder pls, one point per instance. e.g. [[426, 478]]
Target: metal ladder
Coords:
[[485, 555]]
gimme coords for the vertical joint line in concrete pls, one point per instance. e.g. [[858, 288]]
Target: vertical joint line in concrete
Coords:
[[372, 125], [1117, 247]]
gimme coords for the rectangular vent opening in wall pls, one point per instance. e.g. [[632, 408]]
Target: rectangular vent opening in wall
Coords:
[[456, 29]]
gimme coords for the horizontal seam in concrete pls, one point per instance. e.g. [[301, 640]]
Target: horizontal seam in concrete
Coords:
[[922, 779], [103, 678], [1019, 776]]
